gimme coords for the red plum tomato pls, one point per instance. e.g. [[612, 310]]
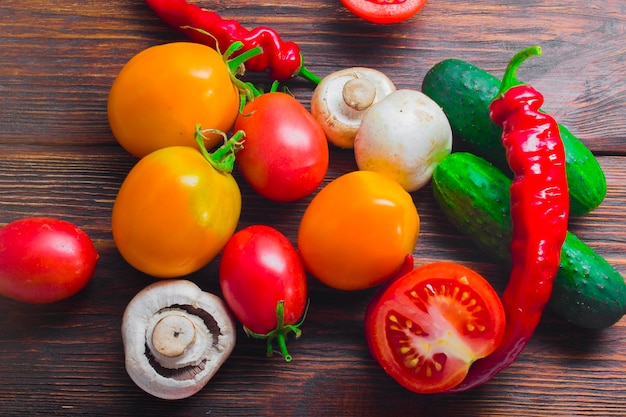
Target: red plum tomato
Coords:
[[285, 152], [427, 327], [260, 269], [358, 230], [43, 260]]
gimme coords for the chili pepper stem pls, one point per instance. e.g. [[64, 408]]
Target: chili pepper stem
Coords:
[[223, 158], [510, 74], [305, 73]]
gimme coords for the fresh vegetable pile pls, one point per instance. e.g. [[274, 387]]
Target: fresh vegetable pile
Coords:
[[437, 328]]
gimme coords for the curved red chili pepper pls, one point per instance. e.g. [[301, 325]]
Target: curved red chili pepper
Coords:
[[539, 210], [282, 59]]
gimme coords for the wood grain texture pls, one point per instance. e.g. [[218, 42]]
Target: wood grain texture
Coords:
[[58, 158]]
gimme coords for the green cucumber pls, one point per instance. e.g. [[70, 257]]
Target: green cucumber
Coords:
[[474, 196], [464, 92]]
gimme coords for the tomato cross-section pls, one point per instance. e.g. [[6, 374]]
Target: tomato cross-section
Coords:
[[427, 327]]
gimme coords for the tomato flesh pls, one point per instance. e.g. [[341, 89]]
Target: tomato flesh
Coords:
[[427, 328], [384, 11]]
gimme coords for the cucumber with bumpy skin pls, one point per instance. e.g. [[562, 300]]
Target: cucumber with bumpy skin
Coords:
[[464, 91], [474, 196]]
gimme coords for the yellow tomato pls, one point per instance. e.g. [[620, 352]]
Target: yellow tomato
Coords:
[[174, 212], [358, 230], [164, 91]]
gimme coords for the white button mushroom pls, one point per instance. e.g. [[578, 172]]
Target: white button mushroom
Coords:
[[342, 97], [404, 137], [176, 337]]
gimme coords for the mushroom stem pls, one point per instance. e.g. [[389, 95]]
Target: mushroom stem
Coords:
[[359, 93], [173, 334]]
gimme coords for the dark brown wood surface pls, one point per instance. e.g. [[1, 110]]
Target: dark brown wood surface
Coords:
[[58, 158]]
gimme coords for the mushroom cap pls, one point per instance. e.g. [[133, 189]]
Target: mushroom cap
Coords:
[[341, 99], [176, 337], [404, 137]]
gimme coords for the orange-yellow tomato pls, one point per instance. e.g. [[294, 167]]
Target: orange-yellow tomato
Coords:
[[357, 231], [174, 212], [164, 91]]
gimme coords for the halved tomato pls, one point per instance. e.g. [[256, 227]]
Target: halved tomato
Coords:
[[427, 327]]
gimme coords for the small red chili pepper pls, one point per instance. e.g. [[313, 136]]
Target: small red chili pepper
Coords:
[[283, 59], [539, 210]]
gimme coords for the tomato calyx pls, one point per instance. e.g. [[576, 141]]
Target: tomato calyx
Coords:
[[256, 92], [235, 65], [280, 332], [247, 91], [223, 158]]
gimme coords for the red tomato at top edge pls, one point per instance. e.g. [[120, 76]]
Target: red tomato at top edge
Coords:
[[44, 260], [285, 151], [384, 11], [260, 267], [427, 327]]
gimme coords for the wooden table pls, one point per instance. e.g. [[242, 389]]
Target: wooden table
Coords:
[[59, 158]]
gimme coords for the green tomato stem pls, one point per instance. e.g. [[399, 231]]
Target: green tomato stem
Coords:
[[280, 332], [282, 344], [235, 64], [247, 91], [223, 158], [274, 87]]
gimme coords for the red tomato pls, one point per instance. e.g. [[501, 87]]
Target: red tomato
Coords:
[[384, 11], [285, 152], [426, 328], [264, 283], [44, 260]]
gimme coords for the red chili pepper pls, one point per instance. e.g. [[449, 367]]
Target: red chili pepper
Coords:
[[282, 59], [539, 210]]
